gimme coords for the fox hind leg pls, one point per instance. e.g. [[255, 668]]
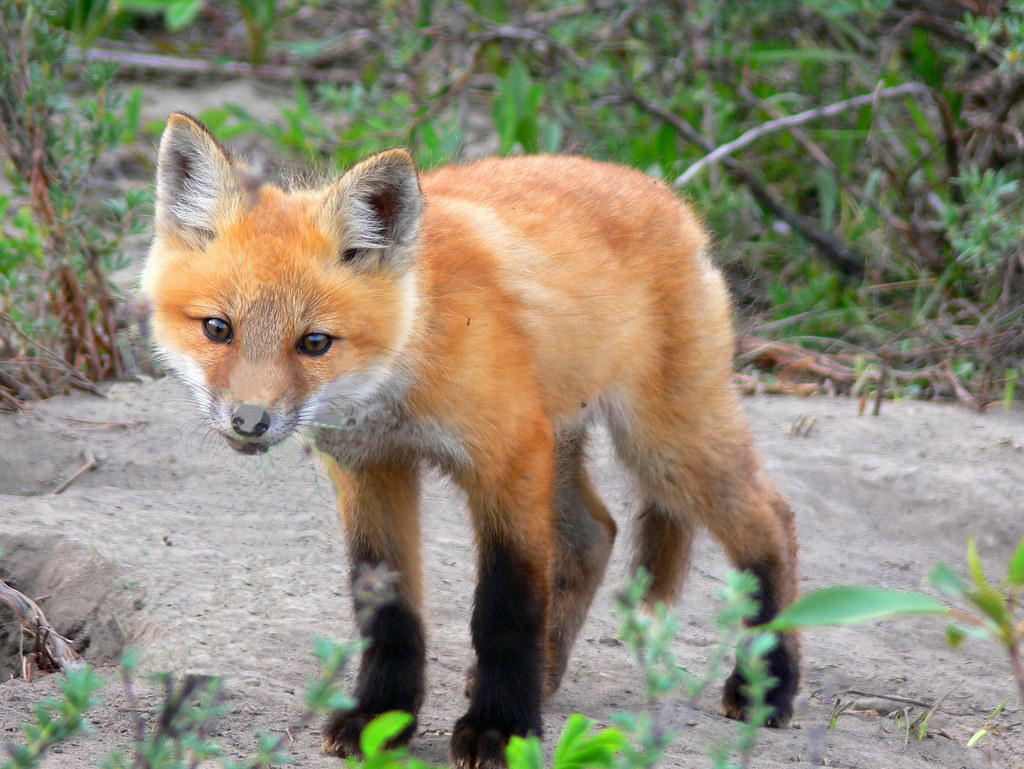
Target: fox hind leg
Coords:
[[584, 533], [662, 545], [699, 468], [774, 567]]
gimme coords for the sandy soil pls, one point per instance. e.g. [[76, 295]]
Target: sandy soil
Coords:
[[216, 563]]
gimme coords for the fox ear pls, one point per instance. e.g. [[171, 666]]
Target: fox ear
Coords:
[[194, 181], [374, 211]]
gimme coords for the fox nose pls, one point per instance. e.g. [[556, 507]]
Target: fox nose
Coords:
[[250, 420]]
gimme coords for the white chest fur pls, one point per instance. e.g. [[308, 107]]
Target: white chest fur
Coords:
[[363, 434]]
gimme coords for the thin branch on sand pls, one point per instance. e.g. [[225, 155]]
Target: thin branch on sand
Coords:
[[50, 650]]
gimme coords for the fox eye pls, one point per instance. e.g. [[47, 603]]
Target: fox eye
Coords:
[[218, 330], [315, 344]]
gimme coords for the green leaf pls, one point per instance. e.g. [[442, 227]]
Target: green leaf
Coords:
[[382, 729], [579, 749], [976, 737], [180, 14], [801, 55], [575, 728], [145, 6], [955, 635], [992, 605], [847, 604], [177, 14], [974, 563], [1015, 572], [943, 578], [524, 753]]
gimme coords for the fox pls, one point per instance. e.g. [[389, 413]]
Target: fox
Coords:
[[479, 319]]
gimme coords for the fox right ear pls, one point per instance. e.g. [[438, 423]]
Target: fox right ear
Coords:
[[194, 181], [374, 211]]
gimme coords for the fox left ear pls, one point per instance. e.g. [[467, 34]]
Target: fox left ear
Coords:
[[374, 211], [195, 183]]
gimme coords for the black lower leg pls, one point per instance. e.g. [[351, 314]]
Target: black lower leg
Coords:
[[508, 635], [391, 672], [782, 661]]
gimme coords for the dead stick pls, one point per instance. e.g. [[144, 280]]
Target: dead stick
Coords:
[[882, 375], [57, 647], [102, 423], [164, 63], [11, 401], [78, 379], [90, 463], [962, 394], [817, 113], [842, 255]]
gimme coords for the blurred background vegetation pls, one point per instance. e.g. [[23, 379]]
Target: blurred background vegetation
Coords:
[[859, 161]]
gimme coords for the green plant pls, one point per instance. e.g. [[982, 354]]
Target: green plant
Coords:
[[519, 113], [177, 14], [995, 611], [56, 720], [337, 127], [261, 18], [857, 184], [178, 735], [65, 224], [579, 747], [858, 168]]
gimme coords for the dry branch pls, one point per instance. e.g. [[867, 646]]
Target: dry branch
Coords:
[[74, 377], [801, 371], [90, 463], [50, 650], [818, 113], [154, 62], [844, 257]]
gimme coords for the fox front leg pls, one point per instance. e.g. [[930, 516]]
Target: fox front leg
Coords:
[[380, 511]]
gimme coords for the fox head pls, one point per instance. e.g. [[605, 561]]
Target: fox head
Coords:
[[272, 305]]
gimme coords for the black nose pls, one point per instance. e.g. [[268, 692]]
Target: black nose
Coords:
[[250, 420]]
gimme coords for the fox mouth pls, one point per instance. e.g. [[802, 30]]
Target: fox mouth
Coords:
[[247, 447]]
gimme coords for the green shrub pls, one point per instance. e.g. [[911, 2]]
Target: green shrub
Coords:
[[65, 223]]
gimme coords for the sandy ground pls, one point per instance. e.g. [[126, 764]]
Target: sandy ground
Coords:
[[211, 562]]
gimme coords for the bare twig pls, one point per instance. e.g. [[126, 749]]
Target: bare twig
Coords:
[[443, 96], [962, 393], [818, 113], [901, 225], [90, 463], [163, 63], [51, 650], [880, 391], [101, 424], [76, 378], [843, 256]]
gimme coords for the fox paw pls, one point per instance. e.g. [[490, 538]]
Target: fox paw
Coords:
[[735, 703], [342, 730], [478, 746]]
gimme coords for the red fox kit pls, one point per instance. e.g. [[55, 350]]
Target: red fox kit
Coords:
[[478, 318]]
